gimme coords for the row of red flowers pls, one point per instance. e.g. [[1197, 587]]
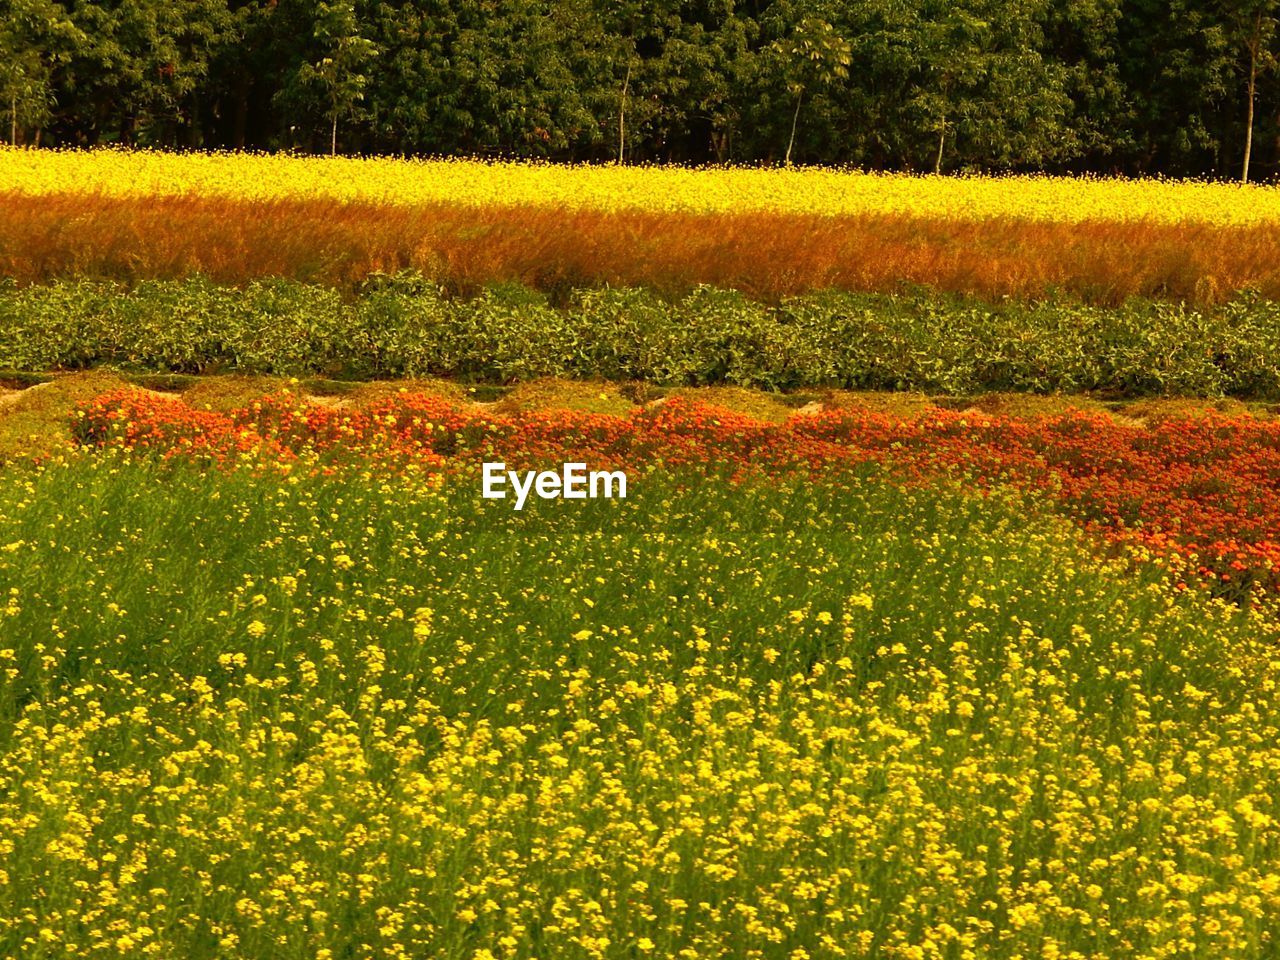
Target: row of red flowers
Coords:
[[1204, 488]]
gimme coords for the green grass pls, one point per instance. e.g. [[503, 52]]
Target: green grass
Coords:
[[35, 420], [266, 716]]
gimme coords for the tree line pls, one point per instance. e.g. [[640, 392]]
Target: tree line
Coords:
[[1176, 87]]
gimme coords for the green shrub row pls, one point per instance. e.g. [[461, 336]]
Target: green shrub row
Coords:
[[403, 326]]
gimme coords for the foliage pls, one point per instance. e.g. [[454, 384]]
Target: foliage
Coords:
[[36, 40], [404, 326], [1092, 85], [813, 56], [337, 73]]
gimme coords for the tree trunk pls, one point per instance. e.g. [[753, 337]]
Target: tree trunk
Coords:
[[333, 137], [720, 145], [240, 123], [622, 116], [13, 121], [194, 135], [942, 142], [795, 120], [1248, 127]]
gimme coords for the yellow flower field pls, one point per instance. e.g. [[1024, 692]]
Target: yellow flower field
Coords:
[[469, 183], [281, 684], [283, 717]]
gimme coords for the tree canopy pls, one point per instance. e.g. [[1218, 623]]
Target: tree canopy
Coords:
[[1177, 87]]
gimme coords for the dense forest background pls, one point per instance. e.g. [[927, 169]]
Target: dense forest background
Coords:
[[1176, 87]]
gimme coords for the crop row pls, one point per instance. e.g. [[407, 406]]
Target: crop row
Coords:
[[1199, 490], [488, 184], [404, 326], [766, 254]]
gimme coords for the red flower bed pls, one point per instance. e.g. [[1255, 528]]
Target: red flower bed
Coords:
[[1201, 488]]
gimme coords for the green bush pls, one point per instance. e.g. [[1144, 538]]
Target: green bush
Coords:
[[403, 325]]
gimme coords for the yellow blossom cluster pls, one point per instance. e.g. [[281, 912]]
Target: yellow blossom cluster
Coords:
[[251, 714], [472, 183]]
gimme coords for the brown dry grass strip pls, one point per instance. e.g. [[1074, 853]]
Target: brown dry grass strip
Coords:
[[765, 255]]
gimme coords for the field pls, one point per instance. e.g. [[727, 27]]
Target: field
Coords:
[[768, 233], [936, 624], [609, 188]]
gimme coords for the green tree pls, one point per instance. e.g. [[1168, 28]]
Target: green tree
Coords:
[[1251, 26], [144, 63], [685, 67], [813, 56], [526, 77], [338, 71], [1081, 37], [1174, 61], [36, 39], [1135, 86], [982, 82]]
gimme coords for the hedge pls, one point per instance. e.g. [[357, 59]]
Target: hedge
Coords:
[[404, 326]]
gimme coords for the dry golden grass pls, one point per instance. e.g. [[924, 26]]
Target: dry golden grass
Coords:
[[362, 395], [1152, 409], [904, 403], [764, 254], [555, 394]]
